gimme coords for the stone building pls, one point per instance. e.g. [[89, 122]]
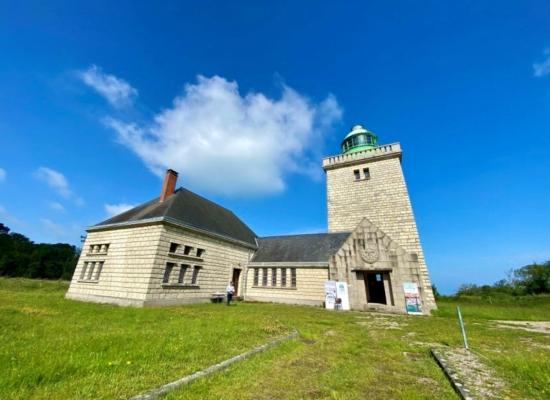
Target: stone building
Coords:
[[181, 247]]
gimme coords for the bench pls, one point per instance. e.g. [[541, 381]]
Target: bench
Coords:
[[217, 297]]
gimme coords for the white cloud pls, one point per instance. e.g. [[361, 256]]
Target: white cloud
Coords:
[[54, 205], [2, 175], [542, 68], [55, 180], [118, 92], [222, 142], [115, 209]]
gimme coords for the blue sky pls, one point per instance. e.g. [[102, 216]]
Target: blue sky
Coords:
[[245, 98]]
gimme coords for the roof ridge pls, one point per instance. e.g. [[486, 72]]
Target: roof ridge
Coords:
[[306, 234]]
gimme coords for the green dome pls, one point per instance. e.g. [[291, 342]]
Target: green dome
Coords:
[[358, 139]]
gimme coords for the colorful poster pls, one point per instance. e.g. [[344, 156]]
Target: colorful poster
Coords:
[[413, 304], [330, 294], [342, 296]]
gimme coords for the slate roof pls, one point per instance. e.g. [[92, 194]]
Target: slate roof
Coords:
[[316, 247], [192, 210]]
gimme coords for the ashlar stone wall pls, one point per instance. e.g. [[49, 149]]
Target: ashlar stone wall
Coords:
[[126, 270], [135, 262], [310, 284], [216, 264], [382, 198], [369, 249]]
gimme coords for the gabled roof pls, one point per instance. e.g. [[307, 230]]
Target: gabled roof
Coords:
[[316, 247], [191, 210]]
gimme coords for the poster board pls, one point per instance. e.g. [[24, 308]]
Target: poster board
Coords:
[[343, 295], [330, 294], [336, 295], [413, 305]]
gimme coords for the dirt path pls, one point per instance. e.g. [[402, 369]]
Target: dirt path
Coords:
[[531, 326]]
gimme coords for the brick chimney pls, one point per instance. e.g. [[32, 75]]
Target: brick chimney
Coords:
[[169, 184]]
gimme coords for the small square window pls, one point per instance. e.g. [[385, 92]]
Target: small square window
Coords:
[[174, 247], [200, 252], [356, 174], [366, 173], [187, 250]]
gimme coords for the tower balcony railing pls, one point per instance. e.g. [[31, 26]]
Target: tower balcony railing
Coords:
[[349, 158]]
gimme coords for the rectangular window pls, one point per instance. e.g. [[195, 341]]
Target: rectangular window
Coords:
[[173, 247], [187, 250], [183, 270], [91, 267], [83, 272], [357, 174], [293, 277], [264, 276], [283, 277], [273, 276], [366, 173], [98, 270], [256, 276], [200, 252], [167, 272], [195, 277]]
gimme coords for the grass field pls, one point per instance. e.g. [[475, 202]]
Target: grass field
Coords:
[[52, 348]]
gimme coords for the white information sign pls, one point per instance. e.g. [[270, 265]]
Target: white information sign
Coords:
[[412, 298], [342, 295], [330, 294]]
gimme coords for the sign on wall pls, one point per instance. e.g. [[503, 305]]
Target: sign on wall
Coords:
[[342, 294], [336, 295], [330, 294], [413, 304]]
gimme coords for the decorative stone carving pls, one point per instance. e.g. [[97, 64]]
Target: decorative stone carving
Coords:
[[370, 253]]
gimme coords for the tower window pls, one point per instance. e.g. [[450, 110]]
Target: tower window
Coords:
[[366, 173], [357, 174]]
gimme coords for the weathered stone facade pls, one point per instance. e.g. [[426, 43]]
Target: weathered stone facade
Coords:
[[309, 289], [379, 194], [135, 264], [183, 248], [126, 273], [369, 252]]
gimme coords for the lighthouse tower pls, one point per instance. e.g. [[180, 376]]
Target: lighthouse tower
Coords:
[[366, 181]]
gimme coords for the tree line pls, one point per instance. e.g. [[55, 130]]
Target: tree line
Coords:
[[530, 279], [20, 257]]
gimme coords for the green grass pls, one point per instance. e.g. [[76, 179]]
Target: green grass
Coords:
[[52, 348]]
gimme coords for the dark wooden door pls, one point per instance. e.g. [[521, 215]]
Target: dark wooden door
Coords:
[[235, 280], [374, 283]]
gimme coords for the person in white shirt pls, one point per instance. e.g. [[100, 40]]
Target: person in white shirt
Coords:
[[229, 290]]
